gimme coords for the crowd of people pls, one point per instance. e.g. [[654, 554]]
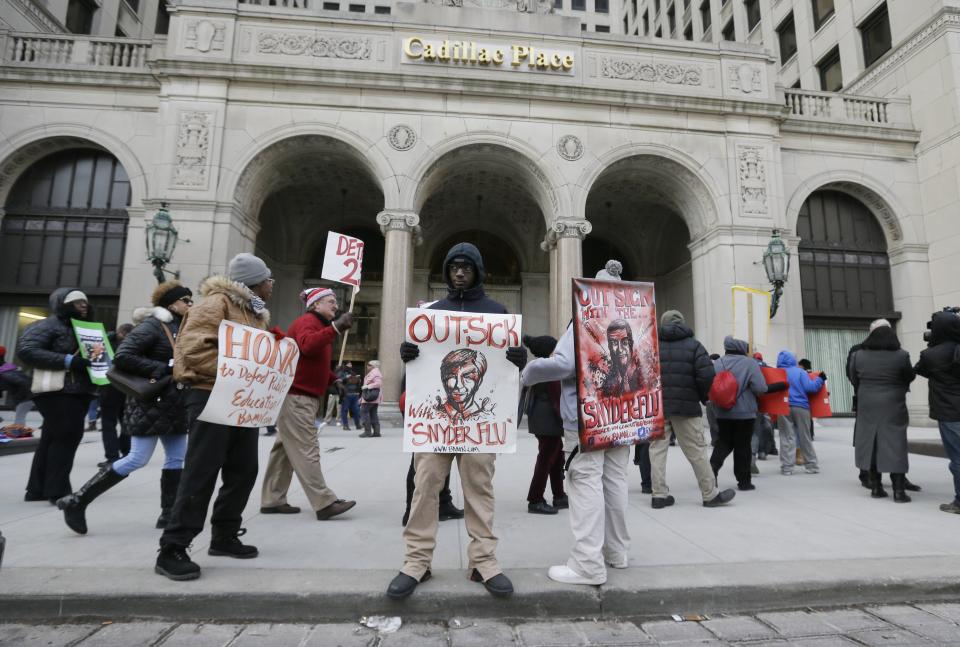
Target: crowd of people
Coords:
[[173, 346]]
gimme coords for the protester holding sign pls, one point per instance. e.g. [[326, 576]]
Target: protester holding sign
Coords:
[[296, 448], [464, 273], [596, 479], [214, 449], [62, 388]]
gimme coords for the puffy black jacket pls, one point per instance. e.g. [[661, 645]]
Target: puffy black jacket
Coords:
[[46, 344], [686, 371], [473, 299], [146, 352], [940, 364], [543, 416]]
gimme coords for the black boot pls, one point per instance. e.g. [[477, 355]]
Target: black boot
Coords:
[[899, 488], [876, 485], [910, 487], [449, 511], [865, 479], [169, 482], [376, 430], [174, 563], [74, 505], [229, 545]]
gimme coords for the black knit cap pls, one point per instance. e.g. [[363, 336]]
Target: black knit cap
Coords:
[[173, 295], [540, 346]]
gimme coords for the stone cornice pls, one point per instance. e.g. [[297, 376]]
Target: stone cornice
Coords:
[[947, 18], [69, 76], [884, 134]]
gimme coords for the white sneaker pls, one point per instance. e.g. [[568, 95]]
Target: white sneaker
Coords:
[[624, 564], [566, 575]]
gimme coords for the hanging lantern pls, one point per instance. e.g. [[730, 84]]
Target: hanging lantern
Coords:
[[776, 263], [161, 241]]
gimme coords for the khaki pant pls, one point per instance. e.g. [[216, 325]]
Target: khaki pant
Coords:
[[694, 444], [296, 450], [420, 534]]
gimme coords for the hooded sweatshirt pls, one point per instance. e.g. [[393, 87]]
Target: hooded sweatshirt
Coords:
[[801, 385], [686, 371], [749, 379], [940, 363], [473, 299]]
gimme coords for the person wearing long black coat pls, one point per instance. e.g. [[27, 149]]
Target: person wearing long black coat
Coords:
[[147, 351], [881, 373], [544, 422], [51, 345]]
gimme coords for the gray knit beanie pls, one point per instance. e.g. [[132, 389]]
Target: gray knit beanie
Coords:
[[248, 269]]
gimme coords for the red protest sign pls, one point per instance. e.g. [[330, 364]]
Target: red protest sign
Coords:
[[619, 396], [820, 401], [775, 404], [343, 259]]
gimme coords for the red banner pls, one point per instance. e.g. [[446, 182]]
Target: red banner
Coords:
[[778, 403], [820, 401], [619, 396]]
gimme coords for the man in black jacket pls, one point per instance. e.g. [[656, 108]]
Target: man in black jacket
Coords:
[[464, 272], [940, 364], [686, 374]]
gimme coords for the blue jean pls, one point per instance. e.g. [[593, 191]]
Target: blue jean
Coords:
[[93, 411], [351, 404], [141, 449], [950, 434]]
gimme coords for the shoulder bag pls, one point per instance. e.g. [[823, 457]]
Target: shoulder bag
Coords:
[[135, 386]]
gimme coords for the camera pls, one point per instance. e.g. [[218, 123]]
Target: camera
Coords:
[[928, 333]]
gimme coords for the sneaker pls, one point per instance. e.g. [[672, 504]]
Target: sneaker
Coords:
[[619, 564], [746, 487], [174, 563], [566, 575], [659, 502], [722, 498], [561, 502], [761, 456], [786, 471], [753, 466], [811, 469], [541, 507], [952, 507], [231, 546]]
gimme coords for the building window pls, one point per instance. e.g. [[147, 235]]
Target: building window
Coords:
[[162, 25], [728, 32], [558, 4], [831, 74], [753, 13], [688, 32], [583, 27], [331, 6], [80, 16], [787, 35], [646, 23], [636, 12], [601, 6], [659, 33], [357, 8], [875, 32], [119, 33], [602, 29], [671, 20], [705, 16], [135, 5], [656, 7], [578, 5], [384, 11], [822, 9]]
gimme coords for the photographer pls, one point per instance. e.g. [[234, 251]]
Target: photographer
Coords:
[[940, 364]]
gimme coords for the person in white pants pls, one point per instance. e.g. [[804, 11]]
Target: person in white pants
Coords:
[[596, 480]]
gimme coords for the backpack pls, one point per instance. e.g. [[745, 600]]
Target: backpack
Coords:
[[724, 390]]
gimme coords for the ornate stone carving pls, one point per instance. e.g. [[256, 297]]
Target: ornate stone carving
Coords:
[[190, 168], [398, 221], [294, 44], [565, 229], [402, 137], [746, 78], [632, 70], [570, 148], [204, 35], [752, 175], [875, 203]]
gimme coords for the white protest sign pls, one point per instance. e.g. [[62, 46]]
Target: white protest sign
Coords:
[[254, 373], [751, 316], [462, 392], [343, 259]]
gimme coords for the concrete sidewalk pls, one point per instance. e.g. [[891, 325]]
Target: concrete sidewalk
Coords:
[[796, 541]]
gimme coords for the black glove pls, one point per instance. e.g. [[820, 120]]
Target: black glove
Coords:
[[79, 364], [773, 387], [517, 355], [409, 352], [344, 322], [161, 372], [823, 376]]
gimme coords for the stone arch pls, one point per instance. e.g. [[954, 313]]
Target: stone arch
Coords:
[[884, 206], [688, 189], [30, 145]]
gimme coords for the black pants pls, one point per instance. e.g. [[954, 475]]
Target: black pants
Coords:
[[445, 497], [549, 465], [115, 444], [212, 450], [734, 436], [641, 458], [63, 420]]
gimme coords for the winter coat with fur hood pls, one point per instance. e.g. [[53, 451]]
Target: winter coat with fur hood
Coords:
[[147, 352], [195, 355]]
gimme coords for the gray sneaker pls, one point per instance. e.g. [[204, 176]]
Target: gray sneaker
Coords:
[[811, 469], [786, 471], [950, 507], [722, 498]]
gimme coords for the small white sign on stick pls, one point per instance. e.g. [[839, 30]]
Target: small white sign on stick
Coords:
[[254, 373], [343, 259]]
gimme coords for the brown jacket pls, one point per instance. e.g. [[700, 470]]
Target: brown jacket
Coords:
[[195, 355]]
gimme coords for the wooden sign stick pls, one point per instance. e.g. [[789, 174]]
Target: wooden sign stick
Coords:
[[343, 347]]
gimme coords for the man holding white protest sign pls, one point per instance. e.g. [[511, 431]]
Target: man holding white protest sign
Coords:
[[456, 417], [225, 447]]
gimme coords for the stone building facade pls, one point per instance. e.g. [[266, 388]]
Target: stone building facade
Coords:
[[265, 125]]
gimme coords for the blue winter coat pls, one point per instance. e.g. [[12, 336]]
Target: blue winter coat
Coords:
[[801, 385]]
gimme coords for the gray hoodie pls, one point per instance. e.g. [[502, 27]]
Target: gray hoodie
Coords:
[[749, 379]]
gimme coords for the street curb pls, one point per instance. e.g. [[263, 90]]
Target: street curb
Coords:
[[261, 595]]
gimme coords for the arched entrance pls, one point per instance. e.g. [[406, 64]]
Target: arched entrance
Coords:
[[639, 210], [64, 224], [845, 282], [299, 189]]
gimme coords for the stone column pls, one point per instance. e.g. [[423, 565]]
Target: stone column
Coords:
[[401, 229], [563, 241]]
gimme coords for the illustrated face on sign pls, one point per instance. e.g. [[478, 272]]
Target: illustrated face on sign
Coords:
[[461, 372], [462, 273], [620, 343]]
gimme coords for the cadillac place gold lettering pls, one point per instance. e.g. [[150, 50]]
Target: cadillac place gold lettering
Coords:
[[482, 55]]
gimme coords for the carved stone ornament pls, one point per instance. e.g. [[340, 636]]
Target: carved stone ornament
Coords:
[[398, 221], [875, 203], [565, 229], [290, 44], [521, 6], [631, 70], [570, 148], [402, 137], [746, 78], [193, 150], [204, 35], [752, 174]]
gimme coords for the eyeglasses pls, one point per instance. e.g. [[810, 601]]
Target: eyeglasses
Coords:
[[464, 267], [187, 300]]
